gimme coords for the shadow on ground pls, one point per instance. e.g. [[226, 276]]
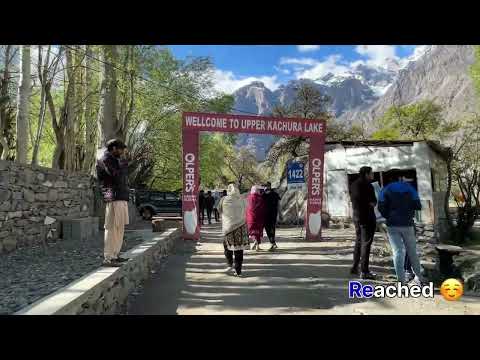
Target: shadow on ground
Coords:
[[295, 278]]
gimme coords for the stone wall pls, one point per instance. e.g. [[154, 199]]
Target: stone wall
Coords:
[[105, 291], [30, 194]]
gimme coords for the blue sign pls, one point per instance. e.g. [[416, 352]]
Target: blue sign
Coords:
[[295, 174]]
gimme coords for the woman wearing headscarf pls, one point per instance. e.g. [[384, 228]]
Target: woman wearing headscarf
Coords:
[[234, 230], [255, 216]]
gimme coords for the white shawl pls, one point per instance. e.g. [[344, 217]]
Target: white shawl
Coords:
[[232, 208]]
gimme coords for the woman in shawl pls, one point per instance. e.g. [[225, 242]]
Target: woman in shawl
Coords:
[[234, 230], [255, 216]]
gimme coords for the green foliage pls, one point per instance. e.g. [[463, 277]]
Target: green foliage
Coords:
[[475, 70], [418, 121], [174, 87]]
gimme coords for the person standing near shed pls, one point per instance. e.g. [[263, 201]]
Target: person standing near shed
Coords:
[[112, 173], [398, 202], [363, 199], [272, 199]]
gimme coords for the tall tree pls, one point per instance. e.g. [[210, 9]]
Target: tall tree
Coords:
[[47, 71], [23, 102], [417, 121], [309, 103], [6, 110], [242, 166], [109, 118], [91, 133]]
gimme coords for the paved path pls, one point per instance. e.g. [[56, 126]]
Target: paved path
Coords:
[[299, 278]]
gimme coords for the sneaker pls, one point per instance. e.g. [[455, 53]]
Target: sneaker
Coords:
[[416, 281], [112, 263], [121, 259], [409, 276], [238, 275], [228, 269], [273, 247], [368, 276], [354, 271]]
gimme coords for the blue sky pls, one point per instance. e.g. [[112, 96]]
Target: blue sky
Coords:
[[238, 65]]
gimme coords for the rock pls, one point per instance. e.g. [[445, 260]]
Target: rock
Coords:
[[5, 206], [4, 165], [4, 178], [22, 223], [35, 218], [47, 183], [17, 196], [40, 177], [472, 282], [5, 195], [49, 220], [52, 195], [14, 214], [41, 197], [60, 184], [4, 234], [67, 202], [28, 195], [10, 243]]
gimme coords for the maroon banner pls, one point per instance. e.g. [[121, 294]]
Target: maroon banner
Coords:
[[191, 183], [313, 221], [253, 124], [193, 123]]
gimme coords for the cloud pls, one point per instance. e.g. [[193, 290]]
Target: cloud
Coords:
[[228, 82], [298, 61], [308, 68], [377, 55], [308, 48]]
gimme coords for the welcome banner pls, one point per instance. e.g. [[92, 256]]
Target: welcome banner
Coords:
[[194, 123]]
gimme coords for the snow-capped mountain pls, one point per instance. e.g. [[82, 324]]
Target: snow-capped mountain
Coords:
[[359, 88], [434, 72], [441, 75]]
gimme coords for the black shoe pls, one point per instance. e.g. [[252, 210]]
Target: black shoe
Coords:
[[121, 259], [112, 263], [354, 271], [368, 276]]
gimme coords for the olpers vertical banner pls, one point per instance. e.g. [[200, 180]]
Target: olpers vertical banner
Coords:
[[191, 183], [313, 221]]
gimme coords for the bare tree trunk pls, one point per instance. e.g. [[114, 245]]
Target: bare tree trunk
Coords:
[[4, 100], [80, 106], [90, 120], [23, 102], [110, 119], [70, 113]]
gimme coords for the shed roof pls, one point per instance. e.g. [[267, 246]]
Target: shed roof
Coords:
[[442, 151]]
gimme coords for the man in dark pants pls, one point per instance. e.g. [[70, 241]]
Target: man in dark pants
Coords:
[[201, 204], [272, 200], [364, 201], [209, 202]]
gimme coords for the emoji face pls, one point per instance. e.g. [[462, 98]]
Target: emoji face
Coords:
[[451, 289]]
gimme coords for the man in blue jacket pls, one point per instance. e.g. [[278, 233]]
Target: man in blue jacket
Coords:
[[397, 204]]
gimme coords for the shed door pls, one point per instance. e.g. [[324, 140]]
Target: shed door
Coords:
[[338, 197]]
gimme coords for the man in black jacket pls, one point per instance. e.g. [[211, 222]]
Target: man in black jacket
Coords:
[[272, 199], [201, 204], [364, 201], [112, 173], [209, 202]]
